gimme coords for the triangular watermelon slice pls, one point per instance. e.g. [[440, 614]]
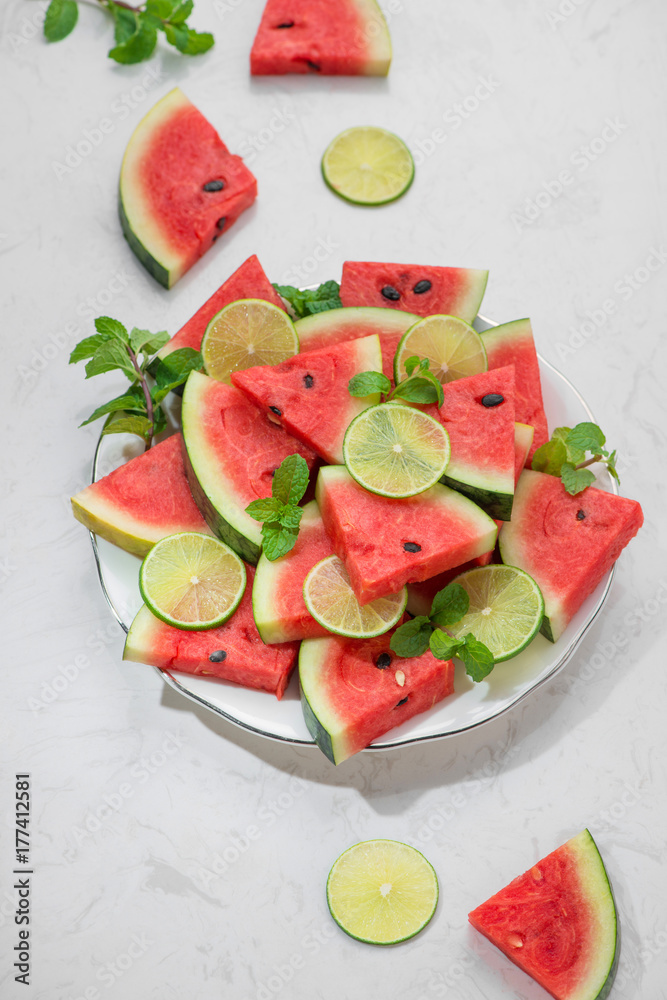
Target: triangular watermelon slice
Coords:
[[247, 282], [558, 922], [567, 543], [478, 413], [232, 652], [348, 38], [180, 188], [513, 344], [417, 288], [308, 394]]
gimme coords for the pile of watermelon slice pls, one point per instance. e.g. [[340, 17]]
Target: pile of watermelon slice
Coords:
[[235, 436]]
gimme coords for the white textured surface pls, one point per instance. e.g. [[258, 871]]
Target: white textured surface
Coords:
[[175, 856]]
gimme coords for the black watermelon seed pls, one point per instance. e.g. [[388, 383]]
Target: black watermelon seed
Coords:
[[581, 514], [274, 409], [218, 656], [422, 286], [412, 547], [403, 700], [308, 381], [391, 293], [313, 65], [286, 24], [492, 399], [383, 661], [214, 186], [221, 222], [215, 237]]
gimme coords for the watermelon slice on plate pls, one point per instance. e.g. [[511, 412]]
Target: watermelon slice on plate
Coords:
[[418, 288], [348, 38], [558, 922], [180, 188]]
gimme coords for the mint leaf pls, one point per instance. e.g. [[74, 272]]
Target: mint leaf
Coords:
[[265, 509], [174, 370], [575, 480], [450, 605], [429, 376], [416, 390], [176, 35], [587, 437], [132, 400], [277, 540], [611, 466], [161, 8], [367, 383], [306, 302], [87, 347], [290, 479], [549, 457], [477, 657], [129, 425], [411, 363], [108, 357], [111, 329], [197, 43], [411, 638], [290, 516], [574, 455], [125, 23], [443, 646], [138, 47], [181, 12], [60, 20], [144, 340]]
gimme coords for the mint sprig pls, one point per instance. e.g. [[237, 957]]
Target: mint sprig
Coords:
[[135, 28], [280, 513], [420, 386], [566, 455], [138, 409], [307, 302], [449, 606]]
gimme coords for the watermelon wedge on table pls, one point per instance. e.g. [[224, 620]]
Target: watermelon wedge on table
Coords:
[[180, 188], [417, 288], [232, 652], [558, 922], [348, 38]]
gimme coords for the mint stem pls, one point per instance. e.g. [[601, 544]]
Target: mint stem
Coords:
[[147, 395], [589, 461]]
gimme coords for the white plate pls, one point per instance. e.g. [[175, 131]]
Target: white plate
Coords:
[[471, 705]]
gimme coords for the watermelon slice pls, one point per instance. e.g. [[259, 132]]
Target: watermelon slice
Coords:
[[248, 282], [354, 690], [180, 188], [277, 594], [478, 413], [523, 443], [558, 922], [386, 543], [566, 543], [513, 344], [231, 453], [310, 36], [308, 394], [142, 501], [417, 288], [232, 652], [337, 325]]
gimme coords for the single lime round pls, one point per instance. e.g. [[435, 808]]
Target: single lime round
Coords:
[[453, 348], [246, 333], [506, 609], [395, 450], [192, 581], [382, 891], [368, 165], [331, 601]]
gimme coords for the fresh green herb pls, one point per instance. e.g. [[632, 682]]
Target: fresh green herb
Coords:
[[137, 410], [135, 28], [315, 300], [565, 456], [449, 606], [420, 385], [280, 512]]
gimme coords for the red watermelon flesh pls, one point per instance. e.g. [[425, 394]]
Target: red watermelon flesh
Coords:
[[246, 660], [566, 543], [386, 543], [248, 282], [308, 394], [349, 38], [142, 501], [355, 690], [513, 344], [558, 922], [417, 288]]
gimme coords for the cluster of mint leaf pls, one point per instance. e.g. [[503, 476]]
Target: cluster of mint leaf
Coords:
[[138, 409], [420, 385], [569, 453], [280, 513], [135, 28], [424, 632], [306, 302]]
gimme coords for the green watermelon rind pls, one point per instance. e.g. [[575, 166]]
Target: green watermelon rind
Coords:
[[322, 727], [157, 270], [496, 503], [599, 884], [384, 320]]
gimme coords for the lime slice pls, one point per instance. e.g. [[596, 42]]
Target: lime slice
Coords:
[[452, 346], [382, 891], [192, 581], [331, 601], [396, 451], [506, 609], [368, 165], [247, 333]]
